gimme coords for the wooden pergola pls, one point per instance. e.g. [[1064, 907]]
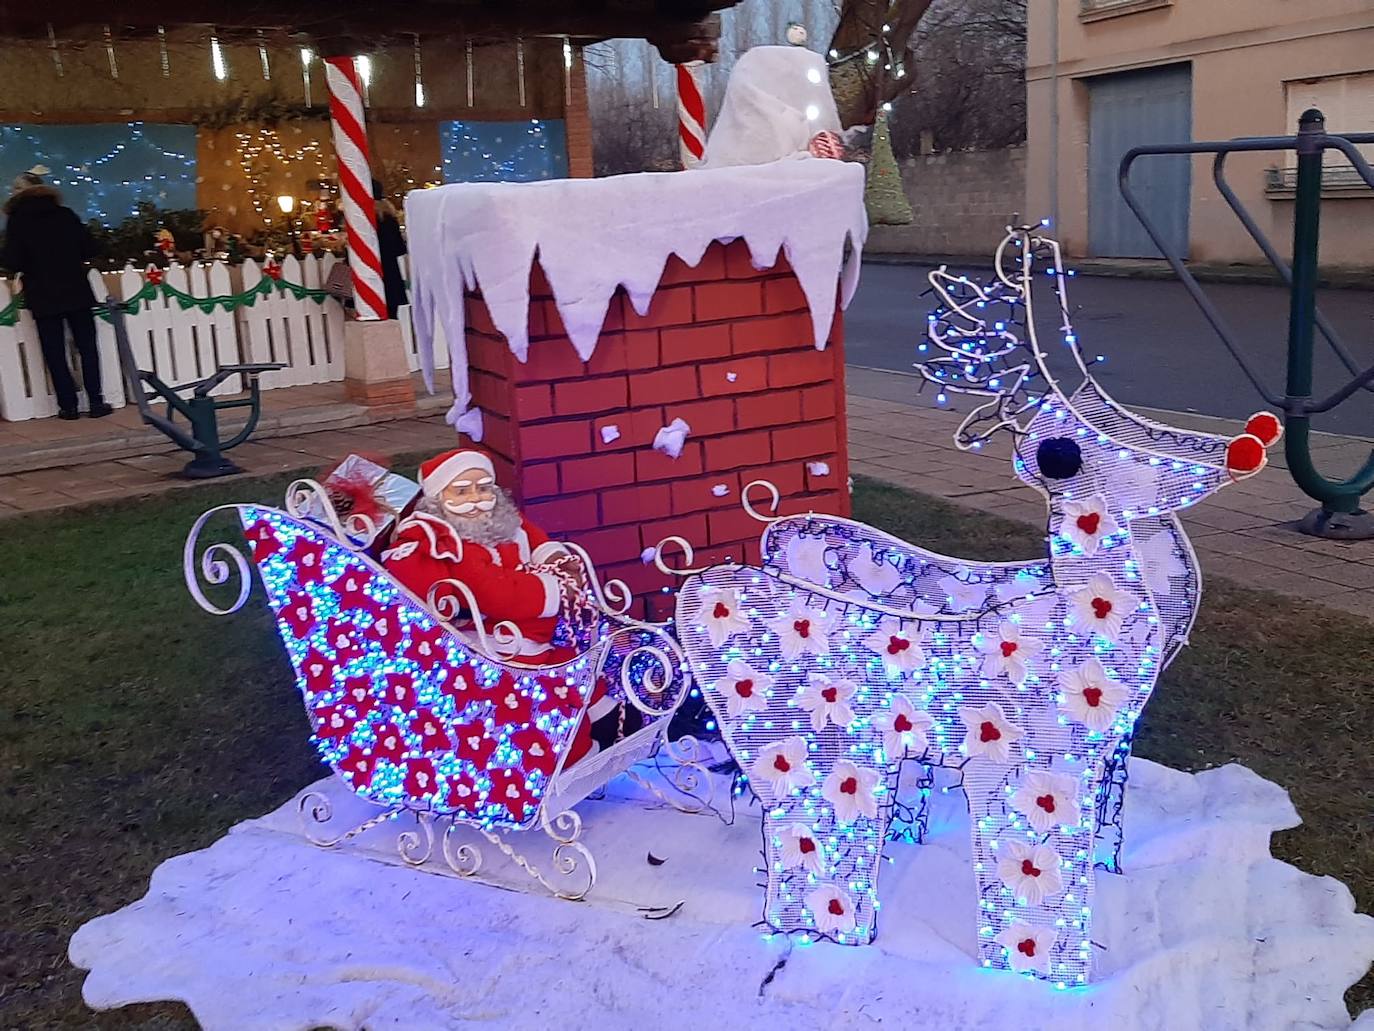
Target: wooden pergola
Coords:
[[682, 30]]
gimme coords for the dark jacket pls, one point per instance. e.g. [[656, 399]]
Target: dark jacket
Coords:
[[391, 245], [50, 246]]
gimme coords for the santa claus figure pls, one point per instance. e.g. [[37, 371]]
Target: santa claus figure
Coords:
[[466, 528]]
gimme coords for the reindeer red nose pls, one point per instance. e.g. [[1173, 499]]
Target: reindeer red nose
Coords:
[[1245, 454]]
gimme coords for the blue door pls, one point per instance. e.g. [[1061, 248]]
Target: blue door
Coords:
[[1128, 110]]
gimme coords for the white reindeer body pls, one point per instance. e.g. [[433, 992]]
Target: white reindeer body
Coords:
[[851, 652]]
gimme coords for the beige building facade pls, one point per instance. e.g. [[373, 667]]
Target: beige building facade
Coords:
[[1106, 75]]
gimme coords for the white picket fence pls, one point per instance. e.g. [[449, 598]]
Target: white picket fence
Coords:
[[182, 346], [403, 314]]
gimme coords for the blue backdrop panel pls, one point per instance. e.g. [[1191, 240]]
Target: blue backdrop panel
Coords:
[[104, 170], [479, 152]]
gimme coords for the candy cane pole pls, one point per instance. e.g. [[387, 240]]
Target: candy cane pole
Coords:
[[355, 186], [691, 115]]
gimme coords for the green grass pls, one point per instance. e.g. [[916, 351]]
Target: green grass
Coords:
[[134, 727]]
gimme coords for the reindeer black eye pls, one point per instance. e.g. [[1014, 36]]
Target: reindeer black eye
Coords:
[[1058, 458]]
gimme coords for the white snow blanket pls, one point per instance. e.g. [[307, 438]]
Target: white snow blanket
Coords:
[[594, 235], [262, 930], [777, 99]]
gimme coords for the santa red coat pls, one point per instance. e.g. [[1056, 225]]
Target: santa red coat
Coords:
[[426, 550]]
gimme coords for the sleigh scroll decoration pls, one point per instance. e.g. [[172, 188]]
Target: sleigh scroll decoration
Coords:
[[434, 721], [848, 652]]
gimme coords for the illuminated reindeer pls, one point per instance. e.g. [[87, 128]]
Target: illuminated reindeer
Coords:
[[851, 652]]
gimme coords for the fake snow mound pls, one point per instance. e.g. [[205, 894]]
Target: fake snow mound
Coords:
[[594, 235], [263, 930]]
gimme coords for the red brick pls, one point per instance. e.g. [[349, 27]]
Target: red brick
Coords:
[[804, 441], [505, 473], [641, 349], [788, 477], [727, 300], [655, 465], [663, 386], [635, 503], [581, 396], [792, 370], [790, 332], [637, 429], [738, 449], [618, 544], [555, 439], [823, 481], [751, 375], [783, 294], [545, 320], [739, 262], [549, 359], [609, 356], [709, 269], [697, 495], [693, 343], [539, 284], [671, 306], [533, 402], [476, 316], [642, 579], [819, 402], [539, 480], [774, 408], [488, 353], [706, 418], [614, 321], [731, 524], [597, 472], [835, 340], [691, 528], [488, 391], [564, 513], [496, 433]]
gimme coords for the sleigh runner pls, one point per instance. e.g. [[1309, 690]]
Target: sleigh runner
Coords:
[[441, 722]]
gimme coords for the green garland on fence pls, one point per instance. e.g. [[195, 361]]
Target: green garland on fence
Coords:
[[9, 315]]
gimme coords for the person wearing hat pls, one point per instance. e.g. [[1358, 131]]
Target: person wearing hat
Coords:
[[466, 528], [50, 247]]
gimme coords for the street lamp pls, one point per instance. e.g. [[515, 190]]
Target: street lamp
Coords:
[[287, 203]]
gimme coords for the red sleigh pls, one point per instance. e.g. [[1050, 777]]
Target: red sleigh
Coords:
[[431, 720]]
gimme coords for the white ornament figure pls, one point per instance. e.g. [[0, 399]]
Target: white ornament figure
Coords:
[[777, 99], [744, 690], [832, 908], [1101, 608], [989, 734], [904, 728], [782, 767], [802, 630], [801, 848], [721, 616], [806, 555], [1160, 564], [1006, 653], [964, 595], [671, 438], [1086, 524], [1047, 800], [1028, 947], [878, 578], [1030, 871], [852, 790], [826, 700], [1090, 696], [898, 646]]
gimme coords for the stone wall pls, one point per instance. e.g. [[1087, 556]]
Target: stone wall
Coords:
[[960, 203]]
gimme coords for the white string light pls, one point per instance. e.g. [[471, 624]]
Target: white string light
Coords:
[[109, 52], [419, 79], [307, 55], [520, 68], [217, 60], [56, 54], [262, 56], [165, 61]]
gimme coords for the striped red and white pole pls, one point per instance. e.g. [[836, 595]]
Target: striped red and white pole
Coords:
[[691, 115], [355, 186]]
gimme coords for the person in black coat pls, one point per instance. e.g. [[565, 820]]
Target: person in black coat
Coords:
[[390, 246], [50, 247]]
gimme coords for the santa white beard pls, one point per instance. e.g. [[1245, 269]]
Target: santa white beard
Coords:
[[499, 526]]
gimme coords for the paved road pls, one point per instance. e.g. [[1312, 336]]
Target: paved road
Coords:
[[1160, 352]]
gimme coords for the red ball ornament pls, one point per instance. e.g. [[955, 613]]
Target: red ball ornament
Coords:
[[1245, 456], [826, 145], [1266, 426]]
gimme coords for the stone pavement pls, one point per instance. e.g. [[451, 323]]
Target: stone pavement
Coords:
[[1242, 533]]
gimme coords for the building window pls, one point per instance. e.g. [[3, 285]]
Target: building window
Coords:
[[1347, 101], [1096, 10], [480, 152]]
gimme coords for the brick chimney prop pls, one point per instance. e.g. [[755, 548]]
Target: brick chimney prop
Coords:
[[585, 318]]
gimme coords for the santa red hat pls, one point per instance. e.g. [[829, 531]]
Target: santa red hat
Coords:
[[439, 471]]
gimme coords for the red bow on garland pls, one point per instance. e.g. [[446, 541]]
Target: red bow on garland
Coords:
[[154, 275], [273, 270]]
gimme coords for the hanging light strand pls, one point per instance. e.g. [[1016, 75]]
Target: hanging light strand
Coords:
[[307, 55], [109, 52], [262, 56], [163, 58], [56, 54], [468, 49], [419, 76], [217, 64], [520, 67]]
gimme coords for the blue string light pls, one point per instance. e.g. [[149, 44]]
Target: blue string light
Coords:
[[483, 152]]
